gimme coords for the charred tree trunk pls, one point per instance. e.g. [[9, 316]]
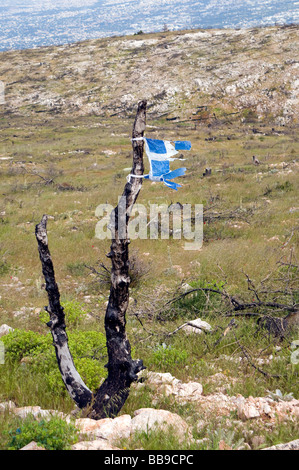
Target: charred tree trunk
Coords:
[[72, 380], [122, 369]]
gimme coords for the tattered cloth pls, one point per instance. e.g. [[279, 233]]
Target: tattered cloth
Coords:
[[160, 153]]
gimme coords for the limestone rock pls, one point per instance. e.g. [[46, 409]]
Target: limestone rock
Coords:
[[7, 405], [85, 425], [196, 326], [32, 446], [108, 428], [186, 287], [247, 412], [191, 329], [147, 419], [5, 329], [37, 412], [293, 445], [99, 444], [190, 390], [224, 446], [166, 383]]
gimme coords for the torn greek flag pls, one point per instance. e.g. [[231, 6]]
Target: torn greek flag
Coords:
[[160, 153]]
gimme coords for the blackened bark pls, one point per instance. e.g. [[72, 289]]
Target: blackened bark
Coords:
[[72, 380], [122, 369]]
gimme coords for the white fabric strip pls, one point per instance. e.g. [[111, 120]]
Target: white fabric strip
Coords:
[[134, 176]]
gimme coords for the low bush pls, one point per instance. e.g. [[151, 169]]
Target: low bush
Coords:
[[36, 352], [74, 313], [201, 301], [52, 434], [168, 356]]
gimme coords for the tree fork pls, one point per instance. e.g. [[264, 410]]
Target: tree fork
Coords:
[[78, 391], [108, 400]]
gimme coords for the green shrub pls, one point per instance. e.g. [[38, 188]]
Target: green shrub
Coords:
[[52, 434], [4, 268], [200, 301], [168, 356], [74, 313], [286, 186], [76, 269], [20, 343], [88, 349]]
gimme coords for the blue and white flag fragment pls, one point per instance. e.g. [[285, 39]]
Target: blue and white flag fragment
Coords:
[[160, 153]]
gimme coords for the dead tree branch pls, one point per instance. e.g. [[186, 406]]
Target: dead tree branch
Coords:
[[247, 356], [108, 400], [72, 380]]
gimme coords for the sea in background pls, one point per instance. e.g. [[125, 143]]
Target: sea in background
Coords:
[[26, 24]]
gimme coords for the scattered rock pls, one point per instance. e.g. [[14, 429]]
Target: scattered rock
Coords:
[[178, 269], [257, 441], [108, 428], [147, 419], [224, 446], [7, 405], [196, 326], [186, 287], [247, 411], [35, 411], [103, 434], [170, 386], [99, 444], [27, 311], [5, 329], [106, 431], [293, 445], [32, 446], [188, 329], [223, 382]]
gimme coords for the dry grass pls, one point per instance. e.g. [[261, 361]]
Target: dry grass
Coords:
[[85, 157]]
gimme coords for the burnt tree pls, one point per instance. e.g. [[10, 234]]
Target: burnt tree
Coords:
[[108, 400]]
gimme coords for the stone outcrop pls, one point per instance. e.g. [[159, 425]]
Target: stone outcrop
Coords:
[[293, 445], [32, 446], [165, 383], [5, 329], [149, 419], [197, 326], [106, 434], [108, 428]]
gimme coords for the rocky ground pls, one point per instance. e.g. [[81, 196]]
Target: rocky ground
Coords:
[[105, 434], [64, 151], [179, 73]]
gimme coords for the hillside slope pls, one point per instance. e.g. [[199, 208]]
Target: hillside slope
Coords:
[[65, 149], [178, 72]]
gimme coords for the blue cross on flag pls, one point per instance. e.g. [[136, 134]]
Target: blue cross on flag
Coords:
[[160, 153]]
